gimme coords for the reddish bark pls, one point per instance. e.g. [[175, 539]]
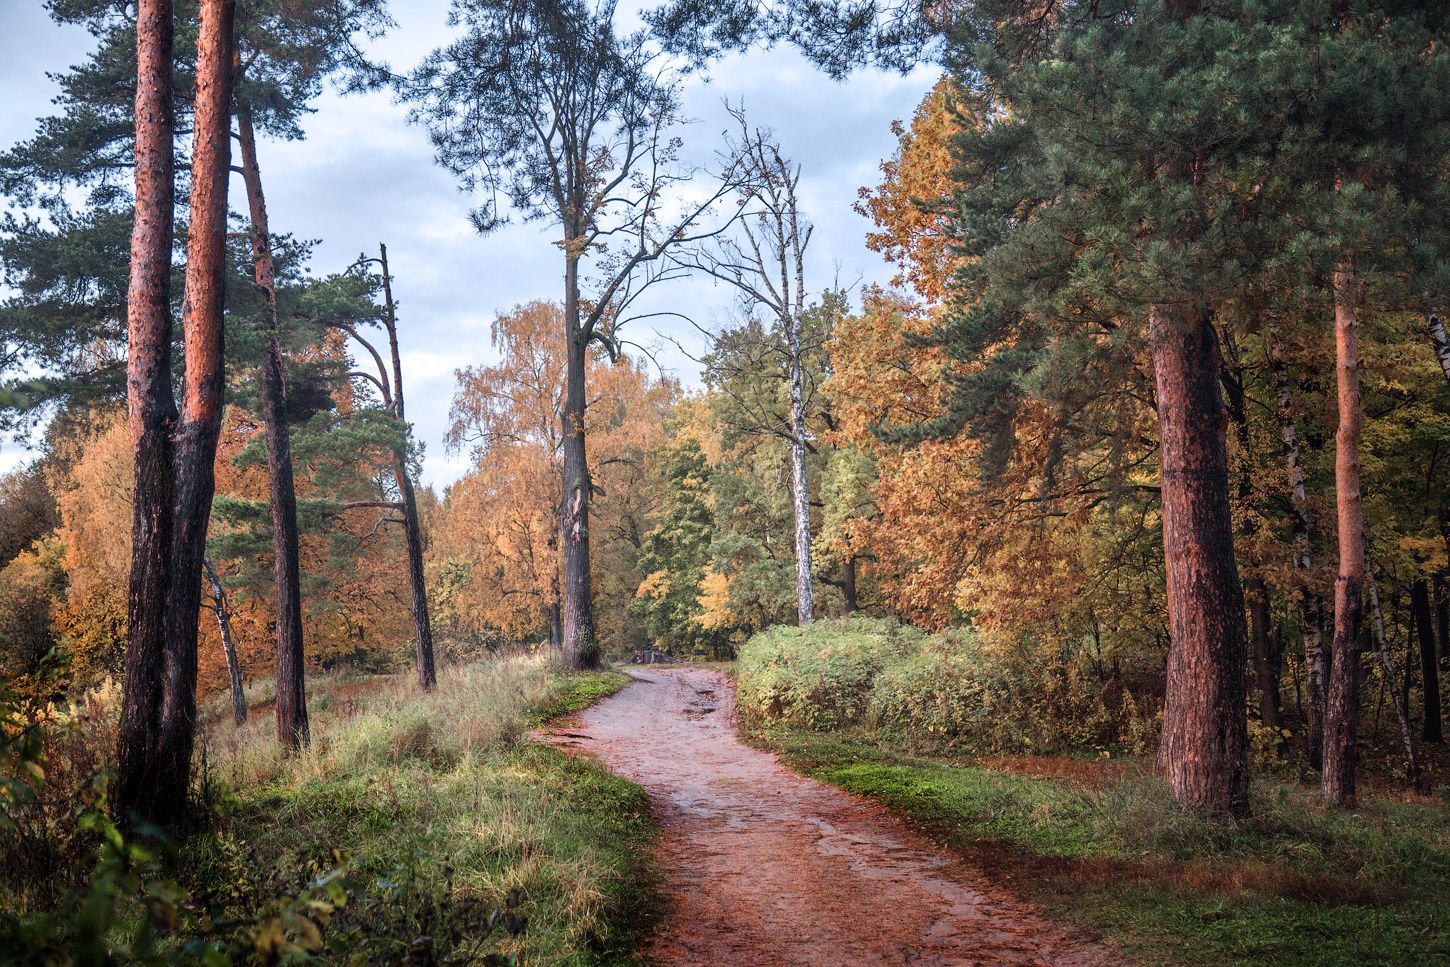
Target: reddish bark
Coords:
[[142, 786], [195, 437], [291, 704], [174, 452], [1204, 748], [1342, 707]]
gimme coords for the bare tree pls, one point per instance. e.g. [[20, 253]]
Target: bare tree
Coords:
[[543, 108], [764, 259]]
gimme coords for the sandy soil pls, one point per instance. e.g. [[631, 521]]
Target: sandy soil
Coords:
[[764, 867]]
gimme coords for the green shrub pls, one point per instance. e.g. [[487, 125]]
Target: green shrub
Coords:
[[944, 692]]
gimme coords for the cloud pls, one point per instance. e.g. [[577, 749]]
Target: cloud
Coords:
[[364, 175]]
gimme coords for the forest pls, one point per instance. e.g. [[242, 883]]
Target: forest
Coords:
[[1078, 593]]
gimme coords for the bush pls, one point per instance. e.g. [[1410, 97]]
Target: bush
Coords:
[[945, 692]]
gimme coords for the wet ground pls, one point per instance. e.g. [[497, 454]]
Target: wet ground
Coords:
[[764, 867]]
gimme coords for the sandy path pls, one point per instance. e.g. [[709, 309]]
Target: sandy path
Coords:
[[764, 867]]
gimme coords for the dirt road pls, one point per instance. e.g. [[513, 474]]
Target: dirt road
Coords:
[[763, 867]]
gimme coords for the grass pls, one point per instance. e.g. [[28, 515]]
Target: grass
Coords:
[[459, 839], [413, 829], [1106, 849]]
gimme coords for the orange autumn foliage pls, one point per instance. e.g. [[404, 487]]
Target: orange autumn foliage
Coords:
[[494, 548]]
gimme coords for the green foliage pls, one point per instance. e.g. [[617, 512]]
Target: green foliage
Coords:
[[676, 553], [936, 692]]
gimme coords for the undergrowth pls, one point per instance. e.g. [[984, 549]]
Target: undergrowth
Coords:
[[416, 828], [1292, 884]]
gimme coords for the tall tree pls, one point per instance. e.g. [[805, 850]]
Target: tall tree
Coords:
[[766, 265], [174, 450], [291, 704], [288, 51], [389, 382], [544, 103]]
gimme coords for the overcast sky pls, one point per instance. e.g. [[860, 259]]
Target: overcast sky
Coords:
[[365, 175]]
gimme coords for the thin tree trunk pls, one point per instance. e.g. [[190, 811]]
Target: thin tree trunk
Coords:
[[1442, 617], [1204, 747], [292, 726], [1342, 708], [1387, 664], [1311, 606], [580, 644], [1429, 666], [848, 583], [422, 625], [1266, 671], [800, 493], [145, 785], [224, 627]]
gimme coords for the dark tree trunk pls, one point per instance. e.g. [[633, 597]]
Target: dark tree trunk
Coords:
[[848, 583], [1342, 708], [144, 785], [412, 527], [581, 645], [1430, 730], [1311, 606], [292, 727], [155, 753], [1266, 668], [1442, 617], [224, 628], [1204, 748]]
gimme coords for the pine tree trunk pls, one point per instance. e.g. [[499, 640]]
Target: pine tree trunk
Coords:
[[580, 645], [292, 727], [1387, 664], [1429, 667], [800, 492], [224, 628], [194, 438], [412, 526], [848, 583], [1311, 606], [1342, 707], [143, 784], [1204, 747]]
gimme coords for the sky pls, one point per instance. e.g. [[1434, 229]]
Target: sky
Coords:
[[364, 175]]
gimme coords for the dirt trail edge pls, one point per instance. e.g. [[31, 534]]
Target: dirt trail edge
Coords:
[[764, 867]]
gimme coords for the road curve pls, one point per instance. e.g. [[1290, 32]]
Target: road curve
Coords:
[[763, 867]]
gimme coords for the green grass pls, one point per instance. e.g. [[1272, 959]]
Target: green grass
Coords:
[[441, 814], [575, 692], [1294, 884]]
